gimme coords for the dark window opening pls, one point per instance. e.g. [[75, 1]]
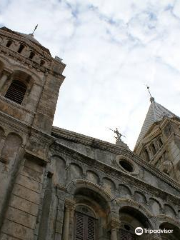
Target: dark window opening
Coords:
[[42, 62], [31, 55], [16, 91], [127, 227], [9, 43], [153, 149], [84, 227], [21, 47], [126, 165]]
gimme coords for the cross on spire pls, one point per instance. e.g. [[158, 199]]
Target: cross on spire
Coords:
[[151, 97], [35, 29]]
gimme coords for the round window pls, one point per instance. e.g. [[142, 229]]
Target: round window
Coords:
[[126, 165]]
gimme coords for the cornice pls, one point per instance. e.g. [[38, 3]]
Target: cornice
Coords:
[[115, 149], [17, 36], [30, 63], [116, 173]]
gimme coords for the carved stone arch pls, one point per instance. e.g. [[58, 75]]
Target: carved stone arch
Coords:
[[131, 203], [59, 166], [75, 171], [18, 86], [77, 184], [163, 218], [29, 72], [132, 217], [124, 191], [93, 226], [140, 197], [11, 147], [92, 176], [109, 185], [23, 75], [155, 206], [169, 211], [174, 227], [91, 212]]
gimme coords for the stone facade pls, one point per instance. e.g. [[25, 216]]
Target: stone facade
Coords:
[[60, 185]]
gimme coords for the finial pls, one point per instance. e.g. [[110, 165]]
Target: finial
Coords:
[[34, 30], [151, 98]]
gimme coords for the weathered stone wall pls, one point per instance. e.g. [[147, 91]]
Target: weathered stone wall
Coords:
[[49, 177]]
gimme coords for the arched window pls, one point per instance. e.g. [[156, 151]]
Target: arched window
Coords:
[[8, 44], [16, 91], [42, 62], [31, 55], [21, 47], [85, 224], [130, 219]]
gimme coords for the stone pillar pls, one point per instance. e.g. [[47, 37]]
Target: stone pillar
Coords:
[[113, 233], [114, 225], [69, 210]]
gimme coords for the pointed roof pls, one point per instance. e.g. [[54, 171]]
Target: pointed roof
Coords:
[[156, 113]]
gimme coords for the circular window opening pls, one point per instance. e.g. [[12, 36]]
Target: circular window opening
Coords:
[[126, 165], [127, 227]]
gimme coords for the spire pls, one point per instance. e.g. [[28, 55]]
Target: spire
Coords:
[[156, 113]]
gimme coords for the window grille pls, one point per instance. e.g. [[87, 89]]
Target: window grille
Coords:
[[84, 227], [16, 91], [125, 235]]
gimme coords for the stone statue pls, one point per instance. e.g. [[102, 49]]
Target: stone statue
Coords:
[[118, 134]]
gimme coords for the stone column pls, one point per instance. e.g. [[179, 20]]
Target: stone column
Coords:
[[4, 78], [114, 225], [69, 208]]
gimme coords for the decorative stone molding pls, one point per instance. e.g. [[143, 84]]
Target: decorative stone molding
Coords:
[[131, 203], [70, 204], [124, 177], [114, 223], [75, 137]]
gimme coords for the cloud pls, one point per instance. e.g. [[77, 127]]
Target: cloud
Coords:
[[112, 49]]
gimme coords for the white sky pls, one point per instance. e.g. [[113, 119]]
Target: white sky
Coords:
[[112, 49]]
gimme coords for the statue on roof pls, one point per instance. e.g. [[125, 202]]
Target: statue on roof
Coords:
[[118, 134]]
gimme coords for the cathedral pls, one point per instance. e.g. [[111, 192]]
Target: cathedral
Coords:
[[57, 184]]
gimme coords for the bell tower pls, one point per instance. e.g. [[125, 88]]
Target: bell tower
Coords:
[[30, 79], [159, 140]]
